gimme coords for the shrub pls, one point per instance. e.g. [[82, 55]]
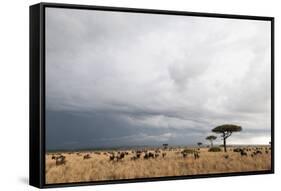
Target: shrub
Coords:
[[215, 149], [188, 151]]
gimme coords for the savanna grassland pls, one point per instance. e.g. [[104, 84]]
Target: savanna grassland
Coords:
[[66, 167]]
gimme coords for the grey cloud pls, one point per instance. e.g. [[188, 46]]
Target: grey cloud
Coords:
[[117, 77]]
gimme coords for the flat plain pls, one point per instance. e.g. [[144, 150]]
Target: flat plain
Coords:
[[84, 166]]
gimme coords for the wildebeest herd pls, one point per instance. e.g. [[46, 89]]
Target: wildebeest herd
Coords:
[[252, 151], [136, 155], [157, 153], [78, 166]]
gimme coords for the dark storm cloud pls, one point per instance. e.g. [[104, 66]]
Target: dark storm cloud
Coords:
[[76, 130], [132, 79]]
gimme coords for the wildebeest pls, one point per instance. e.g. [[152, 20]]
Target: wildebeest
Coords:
[[148, 155], [257, 152], [151, 154], [196, 155], [163, 155], [87, 156], [138, 155], [243, 153], [111, 157], [120, 156], [60, 160], [226, 156]]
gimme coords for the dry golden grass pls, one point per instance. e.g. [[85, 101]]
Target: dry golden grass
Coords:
[[99, 167]]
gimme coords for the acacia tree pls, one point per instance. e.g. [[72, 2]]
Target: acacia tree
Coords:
[[211, 138], [226, 131]]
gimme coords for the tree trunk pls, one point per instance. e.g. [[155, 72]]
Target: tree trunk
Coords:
[[224, 144], [211, 143]]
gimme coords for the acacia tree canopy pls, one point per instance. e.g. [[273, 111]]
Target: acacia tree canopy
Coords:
[[227, 128], [226, 131], [211, 138]]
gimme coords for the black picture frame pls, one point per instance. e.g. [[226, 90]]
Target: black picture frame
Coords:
[[37, 93]]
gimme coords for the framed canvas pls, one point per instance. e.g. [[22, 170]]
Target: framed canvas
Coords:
[[123, 95]]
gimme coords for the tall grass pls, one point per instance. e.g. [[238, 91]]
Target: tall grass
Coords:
[[98, 167]]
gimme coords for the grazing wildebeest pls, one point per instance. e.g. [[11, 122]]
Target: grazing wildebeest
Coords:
[[164, 155], [243, 153], [60, 160], [196, 155], [87, 156], [151, 155], [111, 157], [226, 156], [148, 155], [138, 155], [53, 157], [156, 155], [120, 156]]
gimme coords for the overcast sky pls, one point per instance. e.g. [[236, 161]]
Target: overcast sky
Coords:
[[116, 79]]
